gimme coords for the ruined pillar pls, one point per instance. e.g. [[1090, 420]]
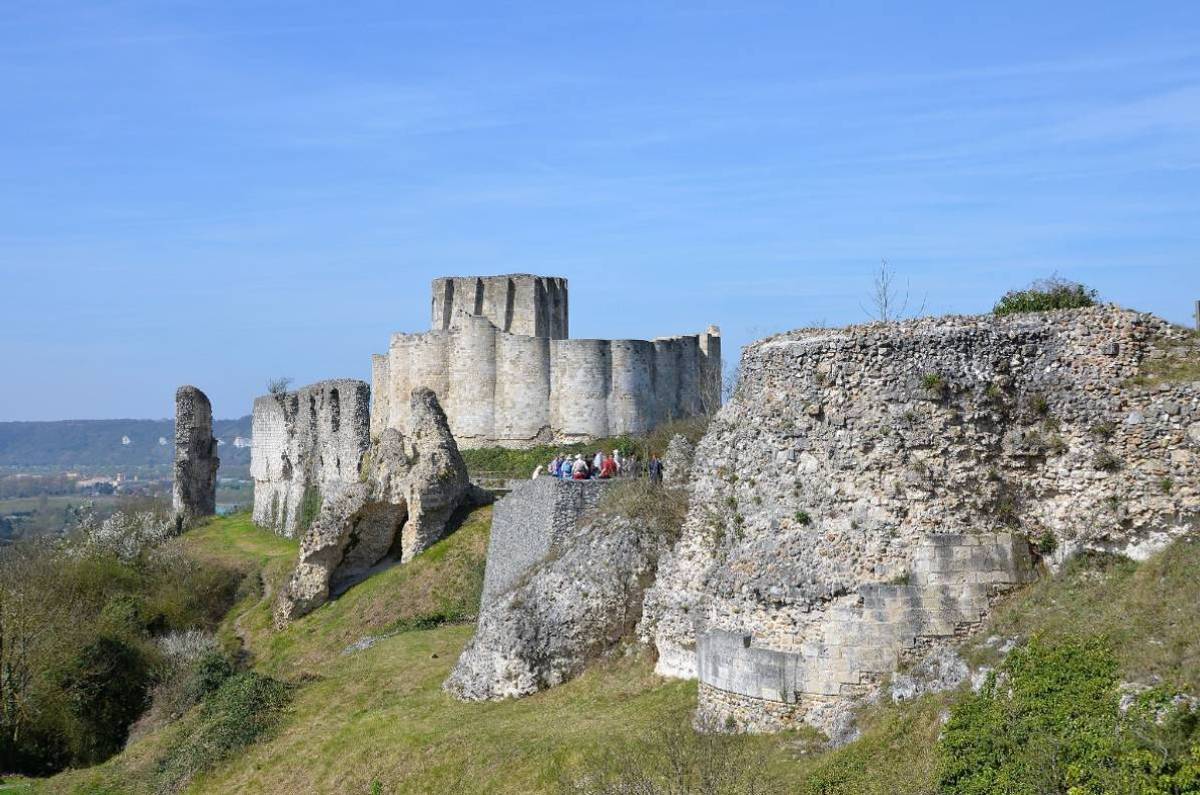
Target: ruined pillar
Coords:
[[194, 493]]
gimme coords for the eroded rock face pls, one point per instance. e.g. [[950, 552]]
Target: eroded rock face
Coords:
[[402, 505], [194, 491], [563, 613], [677, 462], [870, 490]]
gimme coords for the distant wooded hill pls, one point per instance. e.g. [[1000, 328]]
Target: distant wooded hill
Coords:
[[112, 445]]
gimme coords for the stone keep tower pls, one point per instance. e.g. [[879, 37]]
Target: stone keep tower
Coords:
[[504, 370], [194, 493], [522, 304]]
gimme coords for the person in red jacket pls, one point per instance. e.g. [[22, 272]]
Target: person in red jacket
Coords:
[[608, 468]]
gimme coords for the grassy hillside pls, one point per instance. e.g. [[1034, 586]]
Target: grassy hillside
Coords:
[[376, 720]]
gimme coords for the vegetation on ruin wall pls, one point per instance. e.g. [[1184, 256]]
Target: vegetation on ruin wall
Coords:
[[377, 719], [1044, 295], [1171, 361], [508, 463]]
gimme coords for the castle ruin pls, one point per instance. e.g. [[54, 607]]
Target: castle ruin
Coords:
[[194, 490], [501, 363], [305, 443]]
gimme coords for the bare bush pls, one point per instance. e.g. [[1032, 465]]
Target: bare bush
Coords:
[[188, 646], [677, 760], [278, 386], [886, 302]]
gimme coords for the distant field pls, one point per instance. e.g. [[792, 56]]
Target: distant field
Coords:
[[56, 502], [102, 446]]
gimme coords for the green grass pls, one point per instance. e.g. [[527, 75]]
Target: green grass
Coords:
[[1146, 611], [379, 715], [1171, 362]]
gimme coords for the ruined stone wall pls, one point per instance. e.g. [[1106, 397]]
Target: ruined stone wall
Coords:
[[847, 455], [305, 443], [526, 524], [194, 489], [531, 306]]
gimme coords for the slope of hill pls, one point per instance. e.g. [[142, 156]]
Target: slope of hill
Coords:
[[95, 445], [368, 713]]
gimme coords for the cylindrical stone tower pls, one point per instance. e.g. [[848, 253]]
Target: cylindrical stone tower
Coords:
[[631, 403], [471, 368], [522, 388], [579, 400]]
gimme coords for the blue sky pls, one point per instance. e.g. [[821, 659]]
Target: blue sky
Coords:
[[218, 192]]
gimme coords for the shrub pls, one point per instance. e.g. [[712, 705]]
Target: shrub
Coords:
[[1039, 405], [242, 709], [1047, 543], [933, 383], [1105, 461], [657, 509], [106, 684], [1044, 295], [803, 518], [676, 760], [1049, 721], [76, 626]]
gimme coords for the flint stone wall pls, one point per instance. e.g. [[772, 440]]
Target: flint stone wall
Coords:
[[306, 443], [845, 451], [506, 374], [528, 522], [194, 490]]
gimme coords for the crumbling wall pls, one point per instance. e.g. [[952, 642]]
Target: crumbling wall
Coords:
[[848, 454], [527, 523], [860, 638], [402, 505], [570, 607], [305, 444], [194, 490]]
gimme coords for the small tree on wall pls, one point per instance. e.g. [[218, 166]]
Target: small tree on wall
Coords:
[[886, 301], [278, 386]]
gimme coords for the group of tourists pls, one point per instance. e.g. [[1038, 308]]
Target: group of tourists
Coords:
[[599, 466]]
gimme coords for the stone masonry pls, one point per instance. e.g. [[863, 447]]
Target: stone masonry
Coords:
[[868, 490], [862, 637], [306, 443], [528, 522], [414, 483], [499, 359], [194, 491]]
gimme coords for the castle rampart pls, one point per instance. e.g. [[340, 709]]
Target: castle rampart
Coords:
[[500, 363], [305, 443]]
